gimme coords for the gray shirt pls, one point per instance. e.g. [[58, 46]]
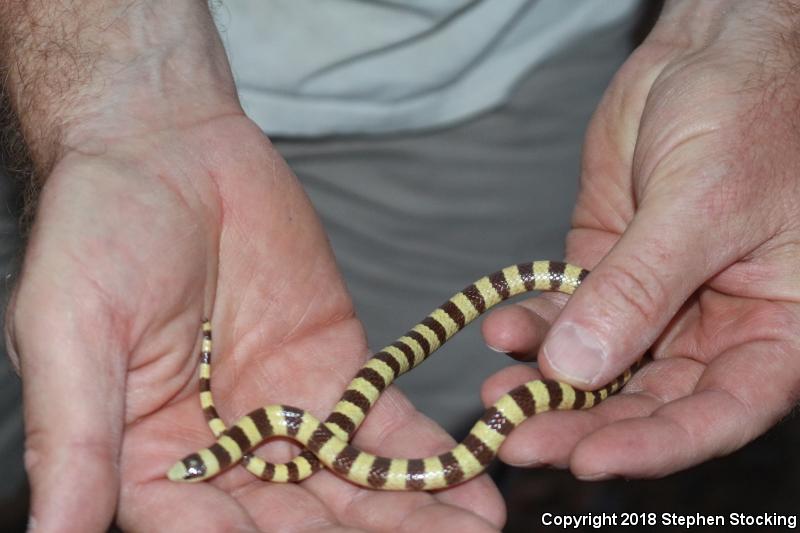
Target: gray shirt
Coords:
[[321, 67]]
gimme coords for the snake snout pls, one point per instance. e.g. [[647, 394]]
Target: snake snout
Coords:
[[190, 468]]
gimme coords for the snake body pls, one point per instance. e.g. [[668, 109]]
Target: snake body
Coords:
[[327, 443]]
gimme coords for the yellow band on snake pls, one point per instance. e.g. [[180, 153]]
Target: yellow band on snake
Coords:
[[327, 443]]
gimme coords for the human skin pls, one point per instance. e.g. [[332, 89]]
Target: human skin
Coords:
[[162, 201], [161, 204], [688, 216]]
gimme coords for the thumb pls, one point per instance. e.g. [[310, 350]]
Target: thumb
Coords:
[[628, 299], [73, 376]]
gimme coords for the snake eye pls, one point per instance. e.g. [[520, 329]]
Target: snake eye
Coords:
[[191, 468], [195, 467]]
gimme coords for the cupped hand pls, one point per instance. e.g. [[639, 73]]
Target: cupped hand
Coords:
[[136, 240], [687, 215]]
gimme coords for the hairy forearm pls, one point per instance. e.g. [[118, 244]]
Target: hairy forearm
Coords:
[[81, 72]]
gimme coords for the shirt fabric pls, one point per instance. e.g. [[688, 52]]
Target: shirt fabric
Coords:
[[315, 68]]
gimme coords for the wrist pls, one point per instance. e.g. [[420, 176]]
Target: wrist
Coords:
[[91, 71], [693, 25]]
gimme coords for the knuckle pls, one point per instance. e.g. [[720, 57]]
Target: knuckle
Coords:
[[636, 286]]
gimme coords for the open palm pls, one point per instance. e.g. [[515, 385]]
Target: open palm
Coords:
[[134, 244]]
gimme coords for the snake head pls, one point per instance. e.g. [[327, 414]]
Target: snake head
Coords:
[[190, 468]]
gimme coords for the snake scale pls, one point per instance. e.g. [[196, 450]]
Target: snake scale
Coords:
[[327, 443]]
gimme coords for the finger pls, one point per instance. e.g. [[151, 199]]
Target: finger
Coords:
[[445, 518], [285, 507], [505, 380], [73, 368], [740, 395], [540, 440], [660, 444], [395, 511], [166, 506], [607, 158], [549, 438], [398, 428], [629, 298], [519, 329], [394, 428]]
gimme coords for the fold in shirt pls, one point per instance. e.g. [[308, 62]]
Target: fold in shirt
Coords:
[[306, 68]]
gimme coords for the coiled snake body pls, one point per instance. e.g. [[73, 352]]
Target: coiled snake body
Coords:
[[327, 443]]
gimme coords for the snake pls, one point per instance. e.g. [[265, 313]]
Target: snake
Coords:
[[326, 444]]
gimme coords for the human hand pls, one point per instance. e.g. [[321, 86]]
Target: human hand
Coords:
[[164, 204], [688, 217], [131, 248]]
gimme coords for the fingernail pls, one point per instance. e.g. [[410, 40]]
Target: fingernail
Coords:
[[495, 349], [600, 476], [530, 463], [537, 463], [575, 353]]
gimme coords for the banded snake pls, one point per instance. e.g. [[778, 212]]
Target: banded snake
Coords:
[[327, 443]]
